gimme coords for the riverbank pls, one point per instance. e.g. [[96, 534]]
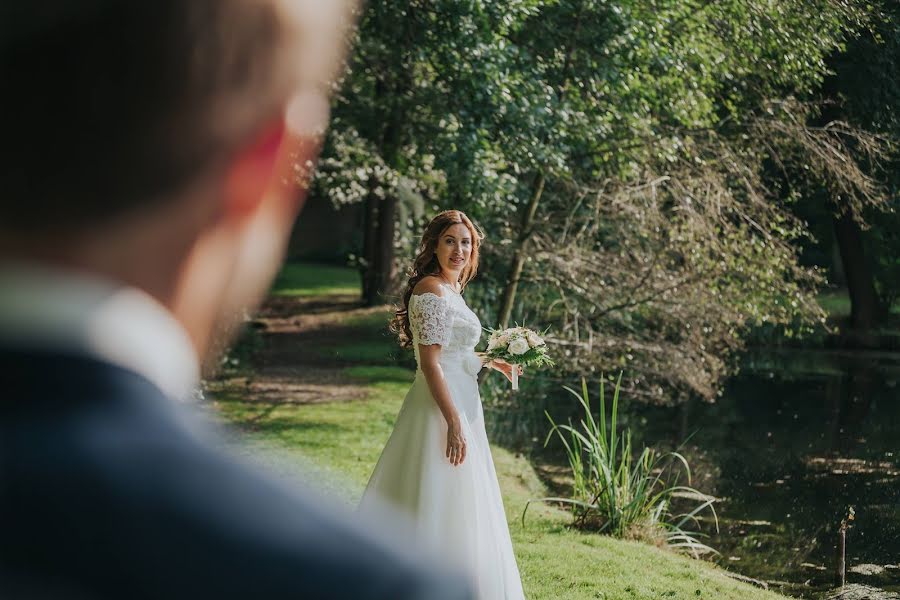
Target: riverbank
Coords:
[[313, 396]]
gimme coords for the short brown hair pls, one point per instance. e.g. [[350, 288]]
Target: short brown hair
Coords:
[[108, 105]]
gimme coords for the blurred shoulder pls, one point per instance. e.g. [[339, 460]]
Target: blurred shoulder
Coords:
[[289, 540], [429, 285]]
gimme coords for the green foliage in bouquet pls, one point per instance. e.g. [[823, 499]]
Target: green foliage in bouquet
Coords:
[[519, 345]]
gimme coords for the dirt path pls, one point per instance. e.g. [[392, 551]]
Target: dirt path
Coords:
[[289, 361]]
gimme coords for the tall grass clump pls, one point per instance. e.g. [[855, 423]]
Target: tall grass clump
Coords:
[[622, 493]]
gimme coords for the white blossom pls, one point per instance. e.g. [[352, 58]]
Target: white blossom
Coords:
[[518, 346]]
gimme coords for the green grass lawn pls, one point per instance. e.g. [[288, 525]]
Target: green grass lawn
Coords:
[[836, 303], [341, 441], [305, 279], [377, 351]]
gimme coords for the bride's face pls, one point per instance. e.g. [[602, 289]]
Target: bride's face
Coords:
[[454, 248]]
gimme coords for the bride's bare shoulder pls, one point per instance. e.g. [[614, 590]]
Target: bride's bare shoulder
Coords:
[[429, 285]]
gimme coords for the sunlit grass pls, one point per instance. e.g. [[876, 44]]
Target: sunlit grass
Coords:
[[338, 444], [376, 322], [345, 437], [377, 351], [307, 279]]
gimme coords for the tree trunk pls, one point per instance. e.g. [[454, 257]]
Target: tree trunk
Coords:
[[370, 243], [837, 268], [864, 305], [840, 572], [508, 299], [507, 302], [383, 277], [381, 213], [378, 249]]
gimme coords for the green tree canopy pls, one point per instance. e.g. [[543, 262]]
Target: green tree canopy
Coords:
[[620, 156]]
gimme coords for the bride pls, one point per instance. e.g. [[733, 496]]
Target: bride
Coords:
[[437, 465]]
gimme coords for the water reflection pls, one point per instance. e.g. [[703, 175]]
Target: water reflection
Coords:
[[795, 440]]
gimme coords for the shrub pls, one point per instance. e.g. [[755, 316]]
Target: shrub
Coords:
[[619, 494]]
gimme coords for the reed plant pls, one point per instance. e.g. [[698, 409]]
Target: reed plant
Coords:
[[624, 493]]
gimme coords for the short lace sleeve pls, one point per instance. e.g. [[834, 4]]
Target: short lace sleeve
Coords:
[[429, 319]]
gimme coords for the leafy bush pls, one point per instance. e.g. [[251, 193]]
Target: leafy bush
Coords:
[[624, 496]]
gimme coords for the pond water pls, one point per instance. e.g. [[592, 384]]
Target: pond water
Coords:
[[795, 440]]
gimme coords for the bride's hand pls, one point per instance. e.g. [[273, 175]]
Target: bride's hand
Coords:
[[504, 367], [456, 444]]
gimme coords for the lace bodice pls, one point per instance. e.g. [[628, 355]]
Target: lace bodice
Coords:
[[446, 320]]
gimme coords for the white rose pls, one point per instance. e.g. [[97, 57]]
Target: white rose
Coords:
[[503, 339], [493, 343], [518, 346], [534, 340]]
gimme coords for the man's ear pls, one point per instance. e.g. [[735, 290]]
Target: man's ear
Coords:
[[275, 167], [251, 170]]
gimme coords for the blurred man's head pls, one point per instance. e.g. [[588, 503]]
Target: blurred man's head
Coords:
[[146, 141]]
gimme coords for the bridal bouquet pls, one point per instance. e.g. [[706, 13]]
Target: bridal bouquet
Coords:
[[518, 346]]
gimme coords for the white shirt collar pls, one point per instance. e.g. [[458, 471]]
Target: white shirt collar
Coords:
[[45, 307]]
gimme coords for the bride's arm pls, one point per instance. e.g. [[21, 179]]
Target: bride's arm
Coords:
[[432, 322], [429, 356]]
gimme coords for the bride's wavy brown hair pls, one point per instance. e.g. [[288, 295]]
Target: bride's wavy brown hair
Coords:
[[426, 263]]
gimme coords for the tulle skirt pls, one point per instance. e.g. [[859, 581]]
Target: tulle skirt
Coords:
[[458, 510]]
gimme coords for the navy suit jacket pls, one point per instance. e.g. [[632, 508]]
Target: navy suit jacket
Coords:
[[108, 491]]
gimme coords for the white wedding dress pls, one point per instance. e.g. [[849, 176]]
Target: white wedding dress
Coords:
[[456, 509]]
